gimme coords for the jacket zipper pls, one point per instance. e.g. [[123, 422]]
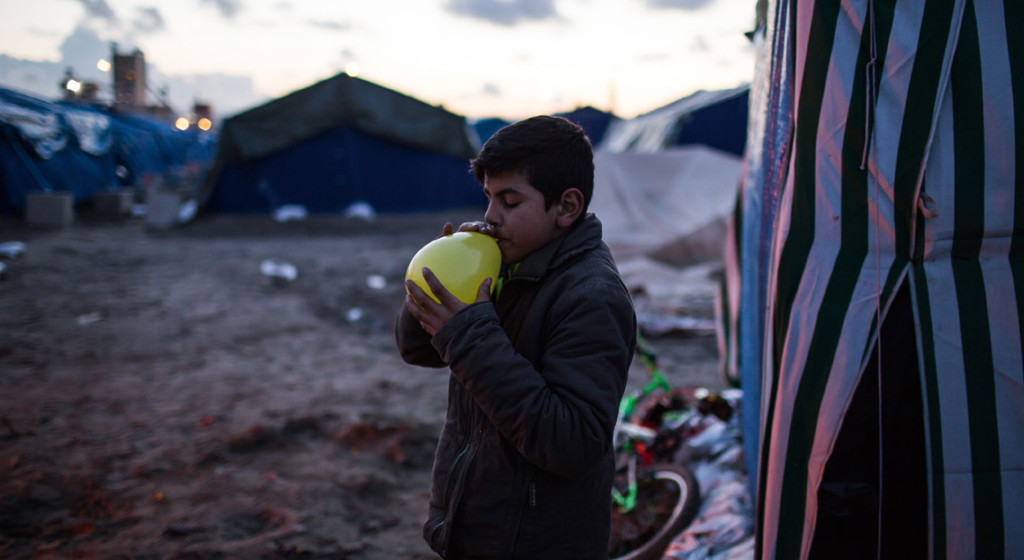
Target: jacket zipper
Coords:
[[460, 465]]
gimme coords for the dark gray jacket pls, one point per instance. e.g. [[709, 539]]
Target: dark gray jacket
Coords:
[[524, 464]]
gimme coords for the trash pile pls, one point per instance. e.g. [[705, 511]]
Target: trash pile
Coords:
[[713, 451], [9, 250]]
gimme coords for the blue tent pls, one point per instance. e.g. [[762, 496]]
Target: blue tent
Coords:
[[717, 119], [80, 148], [338, 142], [485, 128], [594, 122]]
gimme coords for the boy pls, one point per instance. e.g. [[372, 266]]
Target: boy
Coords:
[[524, 464]]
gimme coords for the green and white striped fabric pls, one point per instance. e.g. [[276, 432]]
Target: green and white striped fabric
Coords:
[[936, 200]]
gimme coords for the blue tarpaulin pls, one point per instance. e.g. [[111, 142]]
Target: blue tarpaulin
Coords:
[[84, 149]]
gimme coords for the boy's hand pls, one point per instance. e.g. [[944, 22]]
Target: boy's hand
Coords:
[[480, 227], [431, 314]]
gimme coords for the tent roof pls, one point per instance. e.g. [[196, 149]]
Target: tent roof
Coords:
[[656, 130], [339, 100], [595, 122]]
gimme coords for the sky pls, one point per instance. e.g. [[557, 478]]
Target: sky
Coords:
[[478, 58]]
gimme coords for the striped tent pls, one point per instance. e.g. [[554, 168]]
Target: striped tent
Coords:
[[894, 281]]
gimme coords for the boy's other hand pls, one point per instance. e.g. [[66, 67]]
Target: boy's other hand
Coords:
[[480, 227], [431, 314]]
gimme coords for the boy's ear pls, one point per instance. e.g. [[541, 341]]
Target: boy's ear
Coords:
[[570, 206]]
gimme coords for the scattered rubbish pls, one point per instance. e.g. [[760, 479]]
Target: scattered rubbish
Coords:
[[187, 211], [724, 526], [354, 314], [290, 212], [11, 249], [139, 210], [162, 207], [89, 318], [279, 272], [361, 209], [658, 325], [376, 281], [387, 441]]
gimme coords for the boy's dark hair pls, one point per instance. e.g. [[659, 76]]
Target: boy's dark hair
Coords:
[[554, 153]]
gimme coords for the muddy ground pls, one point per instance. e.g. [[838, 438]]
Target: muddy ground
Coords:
[[161, 398]]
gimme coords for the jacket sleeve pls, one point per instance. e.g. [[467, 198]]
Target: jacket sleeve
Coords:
[[559, 415], [414, 343]]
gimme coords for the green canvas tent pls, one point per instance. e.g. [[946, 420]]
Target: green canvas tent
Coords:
[[882, 278], [340, 141]]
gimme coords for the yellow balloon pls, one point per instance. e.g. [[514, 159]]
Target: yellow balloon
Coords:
[[461, 261]]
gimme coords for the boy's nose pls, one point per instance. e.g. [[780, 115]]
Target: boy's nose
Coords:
[[491, 216]]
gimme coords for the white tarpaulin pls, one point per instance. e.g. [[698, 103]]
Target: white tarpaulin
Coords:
[[671, 205]]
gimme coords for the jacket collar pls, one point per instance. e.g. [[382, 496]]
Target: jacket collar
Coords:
[[583, 236]]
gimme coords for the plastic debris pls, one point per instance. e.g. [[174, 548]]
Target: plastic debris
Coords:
[[659, 325], [354, 314], [724, 526], [187, 211], [89, 318], [279, 272], [290, 212], [361, 209], [376, 281], [11, 249]]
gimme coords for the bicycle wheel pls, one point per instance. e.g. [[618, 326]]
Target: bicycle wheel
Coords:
[[667, 501]]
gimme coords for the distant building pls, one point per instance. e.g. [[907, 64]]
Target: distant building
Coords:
[[130, 87], [129, 80], [203, 110]]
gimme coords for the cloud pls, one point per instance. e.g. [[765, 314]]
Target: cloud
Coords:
[[80, 51], [491, 89], [654, 57], [329, 25], [228, 8], [504, 12], [28, 76], [700, 44], [98, 9], [228, 94], [148, 20], [689, 5], [43, 32]]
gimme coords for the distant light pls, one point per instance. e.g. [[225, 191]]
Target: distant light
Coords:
[[181, 123], [103, 65], [74, 86], [544, 93], [204, 124], [352, 69]]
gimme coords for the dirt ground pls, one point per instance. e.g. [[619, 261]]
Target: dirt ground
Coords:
[[161, 398]]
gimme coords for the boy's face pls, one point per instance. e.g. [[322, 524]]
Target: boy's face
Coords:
[[516, 216]]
